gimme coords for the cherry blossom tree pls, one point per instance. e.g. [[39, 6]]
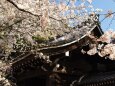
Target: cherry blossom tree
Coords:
[[33, 23], [29, 25]]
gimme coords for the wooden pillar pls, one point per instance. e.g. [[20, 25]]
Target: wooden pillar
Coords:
[[54, 80]]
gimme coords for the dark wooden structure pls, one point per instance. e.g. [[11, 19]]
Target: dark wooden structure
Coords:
[[77, 69]]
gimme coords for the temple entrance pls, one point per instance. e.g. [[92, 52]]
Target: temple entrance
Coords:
[[35, 81]]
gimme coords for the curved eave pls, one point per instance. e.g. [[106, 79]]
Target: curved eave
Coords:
[[72, 45]]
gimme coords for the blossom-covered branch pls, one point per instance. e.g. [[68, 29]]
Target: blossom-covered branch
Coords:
[[104, 46]]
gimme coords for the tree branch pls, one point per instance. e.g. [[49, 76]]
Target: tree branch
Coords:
[[10, 1], [23, 10], [106, 16]]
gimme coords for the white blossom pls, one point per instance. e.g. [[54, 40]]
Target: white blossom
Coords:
[[90, 1], [99, 10], [92, 51]]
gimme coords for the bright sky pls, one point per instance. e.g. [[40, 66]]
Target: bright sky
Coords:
[[105, 5]]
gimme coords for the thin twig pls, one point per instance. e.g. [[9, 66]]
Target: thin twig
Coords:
[[106, 16], [111, 21]]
